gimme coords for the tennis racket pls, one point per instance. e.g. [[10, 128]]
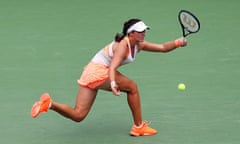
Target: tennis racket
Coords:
[[189, 22]]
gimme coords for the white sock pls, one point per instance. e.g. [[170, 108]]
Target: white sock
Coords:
[[50, 105], [139, 125]]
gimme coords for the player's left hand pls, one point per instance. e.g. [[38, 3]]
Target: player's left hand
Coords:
[[115, 88]]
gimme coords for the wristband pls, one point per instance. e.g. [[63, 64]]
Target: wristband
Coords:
[[179, 42], [113, 84]]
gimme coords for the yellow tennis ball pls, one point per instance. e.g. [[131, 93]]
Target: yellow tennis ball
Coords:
[[181, 86]]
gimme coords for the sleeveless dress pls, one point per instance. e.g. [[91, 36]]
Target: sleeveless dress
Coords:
[[97, 70]]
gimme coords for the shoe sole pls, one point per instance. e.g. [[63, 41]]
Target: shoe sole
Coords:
[[137, 134], [35, 110]]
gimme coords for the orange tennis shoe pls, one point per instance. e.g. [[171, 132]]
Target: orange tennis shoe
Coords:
[[42, 105], [143, 130]]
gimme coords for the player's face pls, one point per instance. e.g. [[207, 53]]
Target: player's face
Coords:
[[139, 36]]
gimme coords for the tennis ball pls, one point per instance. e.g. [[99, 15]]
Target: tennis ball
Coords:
[[181, 86]]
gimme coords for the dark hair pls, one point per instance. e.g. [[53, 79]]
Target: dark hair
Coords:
[[126, 26]]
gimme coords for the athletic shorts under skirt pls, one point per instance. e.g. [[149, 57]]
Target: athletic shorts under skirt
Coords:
[[93, 75]]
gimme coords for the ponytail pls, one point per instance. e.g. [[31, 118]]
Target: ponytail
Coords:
[[119, 37]]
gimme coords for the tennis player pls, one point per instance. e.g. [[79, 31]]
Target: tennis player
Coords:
[[102, 73]]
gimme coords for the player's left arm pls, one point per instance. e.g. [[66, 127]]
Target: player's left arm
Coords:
[[164, 47]]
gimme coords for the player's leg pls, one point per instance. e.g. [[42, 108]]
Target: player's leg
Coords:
[[84, 100], [130, 87]]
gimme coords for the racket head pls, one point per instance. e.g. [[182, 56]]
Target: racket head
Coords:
[[189, 22]]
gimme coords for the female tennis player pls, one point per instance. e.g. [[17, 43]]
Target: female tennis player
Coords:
[[102, 73]]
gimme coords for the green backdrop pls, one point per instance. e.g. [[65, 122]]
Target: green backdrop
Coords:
[[44, 44]]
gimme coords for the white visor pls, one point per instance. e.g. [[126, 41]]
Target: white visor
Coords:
[[139, 27]]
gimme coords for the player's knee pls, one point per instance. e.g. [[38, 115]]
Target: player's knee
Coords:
[[78, 117], [133, 87]]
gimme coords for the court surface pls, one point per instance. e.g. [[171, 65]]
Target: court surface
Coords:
[[45, 44]]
